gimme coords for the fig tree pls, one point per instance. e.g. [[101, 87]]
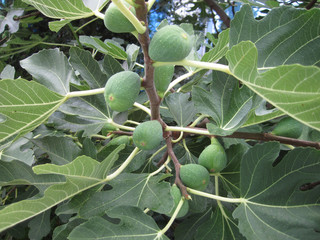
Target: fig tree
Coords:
[[162, 78], [171, 43], [176, 194], [213, 157], [195, 176], [116, 22], [148, 135], [121, 90], [288, 127]]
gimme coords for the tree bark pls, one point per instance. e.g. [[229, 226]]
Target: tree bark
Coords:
[[215, 6]]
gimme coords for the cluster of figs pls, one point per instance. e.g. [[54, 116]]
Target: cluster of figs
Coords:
[[170, 44]]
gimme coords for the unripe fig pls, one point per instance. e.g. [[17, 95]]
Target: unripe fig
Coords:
[[213, 157], [108, 127], [171, 43], [119, 140], [162, 77], [116, 22], [121, 90], [148, 135], [194, 176], [288, 127], [176, 194]]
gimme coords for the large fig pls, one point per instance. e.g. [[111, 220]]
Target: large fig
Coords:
[[121, 90], [171, 43], [148, 135]]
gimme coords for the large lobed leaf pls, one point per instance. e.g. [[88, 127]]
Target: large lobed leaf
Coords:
[[24, 105], [81, 174], [285, 36], [274, 206], [294, 89]]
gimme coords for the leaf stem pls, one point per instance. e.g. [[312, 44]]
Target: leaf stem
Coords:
[[75, 35], [216, 185], [150, 4], [99, 14], [143, 108], [216, 197], [197, 64], [178, 80], [130, 16], [174, 215], [85, 93], [123, 165]]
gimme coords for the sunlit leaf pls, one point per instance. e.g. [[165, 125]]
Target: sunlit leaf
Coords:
[[294, 89], [24, 105], [67, 9]]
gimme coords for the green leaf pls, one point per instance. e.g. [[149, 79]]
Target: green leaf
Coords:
[[61, 150], [294, 89], [56, 26], [62, 232], [67, 9], [81, 174], [180, 108], [219, 50], [273, 202], [106, 47], [226, 103], [111, 66], [134, 225], [52, 69], [83, 62], [187, 229], [230, 176], [8, 72], [18, 173], [130, 189], [287, 40], [18, 151], [24, 105], [132, 54], [40, 226], [221, 225]]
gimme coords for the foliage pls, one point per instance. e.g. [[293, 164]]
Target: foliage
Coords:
[[69, 168]]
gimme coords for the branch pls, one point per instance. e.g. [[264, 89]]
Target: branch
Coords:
[[148, 83], [177, 168], [311, 4], [224, 17]]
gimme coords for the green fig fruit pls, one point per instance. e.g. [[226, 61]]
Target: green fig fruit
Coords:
[[213, 157], [171, 43], [121, 90], [116, 22], [288, 127], [108, 127], [162, 78], [195, 176], [148, 135], [176, 194]]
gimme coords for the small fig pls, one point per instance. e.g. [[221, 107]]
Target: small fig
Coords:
[[171, 43], [288, 127], [162, 77], [121, 90], [116, 22], [108, 127], [176, 194], [195, 176], [213, 157], [148, 135]]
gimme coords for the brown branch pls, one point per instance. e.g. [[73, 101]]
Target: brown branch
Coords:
[[177, 168], [148, 83], [311, 4], [215, 6], [270, 137], [122, 133], [26, 16]]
